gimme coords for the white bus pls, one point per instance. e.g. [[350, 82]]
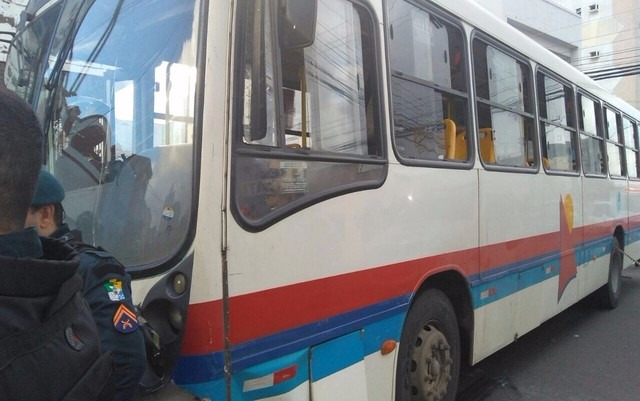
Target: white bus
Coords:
[[330, 199]]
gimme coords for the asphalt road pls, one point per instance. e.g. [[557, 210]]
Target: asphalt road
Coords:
[[586, 353]]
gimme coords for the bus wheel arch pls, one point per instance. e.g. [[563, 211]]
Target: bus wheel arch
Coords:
[[435, 339]]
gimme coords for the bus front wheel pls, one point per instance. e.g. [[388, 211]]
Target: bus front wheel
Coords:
[[429, 354]]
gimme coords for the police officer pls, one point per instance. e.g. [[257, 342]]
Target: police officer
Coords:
[[48, 342], [107, 287]]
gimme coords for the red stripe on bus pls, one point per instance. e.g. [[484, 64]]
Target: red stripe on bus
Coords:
[[274, 310], [267, 312]]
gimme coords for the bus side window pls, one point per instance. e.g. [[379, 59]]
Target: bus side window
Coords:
[[630, 131], [322, 114], [505, 109], [591, 137], [614, 143], [557, 125], [430, 105]]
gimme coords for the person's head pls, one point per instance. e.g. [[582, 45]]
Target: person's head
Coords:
[[46, 213], [20, 159]]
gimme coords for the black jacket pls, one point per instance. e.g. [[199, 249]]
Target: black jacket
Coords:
[[49, 344], [32, 271]]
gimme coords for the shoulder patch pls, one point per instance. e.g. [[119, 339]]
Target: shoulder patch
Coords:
[[114, 290], [125, 320]]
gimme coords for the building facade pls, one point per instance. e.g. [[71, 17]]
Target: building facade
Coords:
[[599, 37]]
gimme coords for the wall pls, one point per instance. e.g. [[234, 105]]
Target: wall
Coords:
[[555, 27]]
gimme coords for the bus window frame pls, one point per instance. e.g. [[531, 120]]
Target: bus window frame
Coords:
[[489, 40], [471, 137], [619, 144], [599, 126], [634, 147], [239, 149], [540, 69]]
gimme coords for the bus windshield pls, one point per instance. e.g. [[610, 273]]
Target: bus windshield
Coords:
[[118, 86]]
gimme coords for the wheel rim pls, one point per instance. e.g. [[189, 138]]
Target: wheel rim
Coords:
[[430, 365], [615, 281], [616, 270]]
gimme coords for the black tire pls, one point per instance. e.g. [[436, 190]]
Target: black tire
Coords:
[[610, 292], [431, 335]]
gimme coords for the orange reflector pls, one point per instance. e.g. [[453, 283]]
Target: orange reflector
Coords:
[[388, 347]]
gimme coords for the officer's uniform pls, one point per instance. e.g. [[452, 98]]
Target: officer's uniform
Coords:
[[49, 345], [107, 288]]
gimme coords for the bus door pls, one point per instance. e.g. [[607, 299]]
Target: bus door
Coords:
[[306, 145], [518, 213]]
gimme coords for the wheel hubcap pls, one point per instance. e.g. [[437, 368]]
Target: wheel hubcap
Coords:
[[430, 365]]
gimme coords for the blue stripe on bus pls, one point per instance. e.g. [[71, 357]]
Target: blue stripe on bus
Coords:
[[328, 358], [509, 279], [213, 389], [336, 355], [633, 235], [383, 320], [199, 368]]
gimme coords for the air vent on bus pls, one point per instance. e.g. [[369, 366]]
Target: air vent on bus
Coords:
[[594, 54], [594, 8]]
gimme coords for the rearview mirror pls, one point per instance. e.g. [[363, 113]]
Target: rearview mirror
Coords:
[[296, 23]]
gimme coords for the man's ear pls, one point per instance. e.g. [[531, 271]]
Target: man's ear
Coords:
[[46, 222]]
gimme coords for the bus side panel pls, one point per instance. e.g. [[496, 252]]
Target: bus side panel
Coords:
[[522, 255], [604, 209], [349, 263], [633, 233], [344, 355]]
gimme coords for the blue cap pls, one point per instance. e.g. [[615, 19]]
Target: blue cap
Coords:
[[49, 191]]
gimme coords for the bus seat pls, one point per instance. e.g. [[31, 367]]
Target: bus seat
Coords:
[[487, 151], [545, 162], [461, 146], [449, 138]]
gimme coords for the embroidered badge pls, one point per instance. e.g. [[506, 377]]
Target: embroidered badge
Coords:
[[72, 339], [114, 290], [125, 320]]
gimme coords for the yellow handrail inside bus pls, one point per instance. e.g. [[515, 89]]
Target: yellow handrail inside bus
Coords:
[[487, 151], [449, 138]]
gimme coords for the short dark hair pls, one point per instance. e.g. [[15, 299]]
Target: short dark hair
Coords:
[[20, 159]]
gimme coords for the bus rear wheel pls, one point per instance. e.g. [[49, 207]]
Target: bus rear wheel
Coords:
[[610, 292], [429, 353]]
